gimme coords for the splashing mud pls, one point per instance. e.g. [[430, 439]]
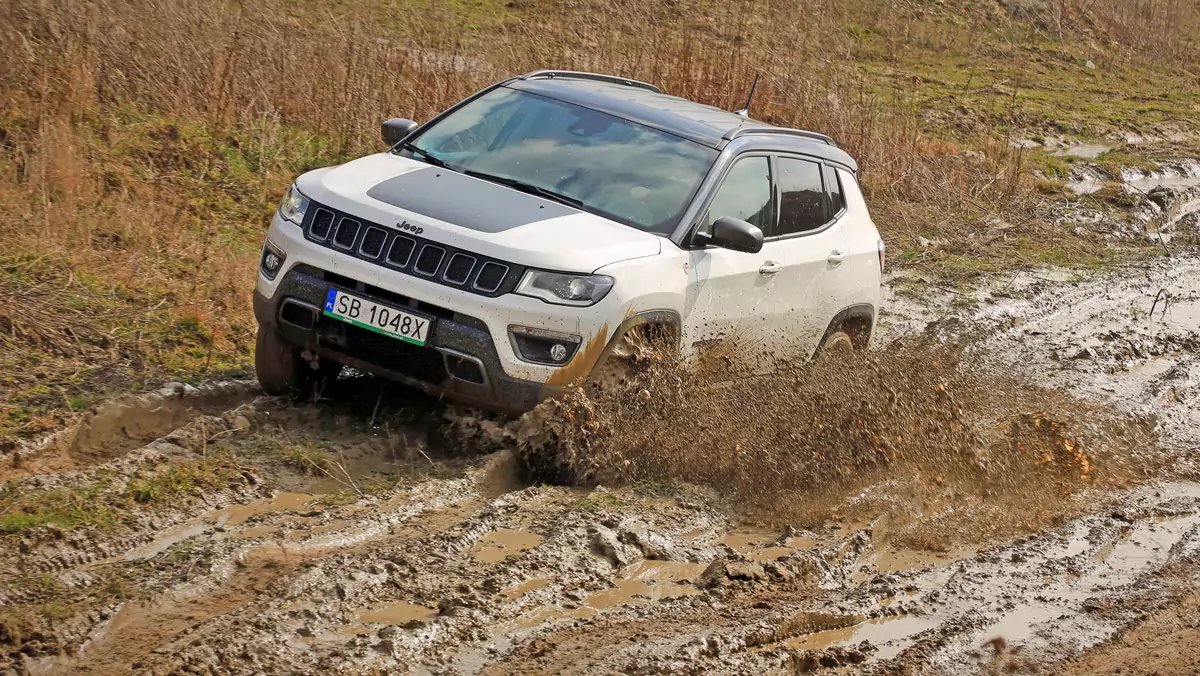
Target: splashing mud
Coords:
[[915, 429]]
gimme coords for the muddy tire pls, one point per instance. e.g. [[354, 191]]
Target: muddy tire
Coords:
[[836, 344], [278, 366], [632, 353]]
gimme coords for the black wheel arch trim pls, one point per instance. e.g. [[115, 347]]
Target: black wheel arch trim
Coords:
[[854, 313], [662, 317]]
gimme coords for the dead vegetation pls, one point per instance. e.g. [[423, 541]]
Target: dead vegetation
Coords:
[[144, 143]]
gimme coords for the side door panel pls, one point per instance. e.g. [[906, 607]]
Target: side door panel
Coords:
[[860, 276], [813, 292], [729, 298]]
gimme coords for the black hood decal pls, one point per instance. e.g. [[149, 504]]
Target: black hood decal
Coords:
[[466, 201]]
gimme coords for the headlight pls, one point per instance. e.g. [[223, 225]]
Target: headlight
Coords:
[[294, 205], [561, 289]]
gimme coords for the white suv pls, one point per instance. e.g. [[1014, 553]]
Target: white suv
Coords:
[[500, 252]]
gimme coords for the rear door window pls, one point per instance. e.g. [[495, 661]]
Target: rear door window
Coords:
[[836, 201], [801, 196]]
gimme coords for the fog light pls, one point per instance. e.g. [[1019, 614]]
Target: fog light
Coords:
[[558, 352], [539, 346], [272, 260]]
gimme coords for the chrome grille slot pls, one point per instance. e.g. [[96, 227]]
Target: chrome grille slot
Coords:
[[429, 260], [372, 243], [347, 232], [321, 223], [458, 271], [491, 276], [401, 252]]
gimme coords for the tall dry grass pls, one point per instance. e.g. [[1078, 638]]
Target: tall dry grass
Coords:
[[144, 142]]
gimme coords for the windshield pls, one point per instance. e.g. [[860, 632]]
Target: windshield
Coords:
[[607, 165]]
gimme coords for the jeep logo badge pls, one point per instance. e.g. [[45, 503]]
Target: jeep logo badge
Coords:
[[414, 229]]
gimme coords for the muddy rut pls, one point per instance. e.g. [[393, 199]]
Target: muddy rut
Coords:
[[365, 534]]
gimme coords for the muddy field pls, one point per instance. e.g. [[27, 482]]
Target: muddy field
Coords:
[[1048, 522]]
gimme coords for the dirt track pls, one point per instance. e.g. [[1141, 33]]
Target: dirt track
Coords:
[[402, 553]]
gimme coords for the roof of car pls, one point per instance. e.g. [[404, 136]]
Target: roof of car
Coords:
[[708, 125]]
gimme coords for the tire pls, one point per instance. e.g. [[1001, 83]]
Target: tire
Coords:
[[636, 348], [278, 366], [835, 344]]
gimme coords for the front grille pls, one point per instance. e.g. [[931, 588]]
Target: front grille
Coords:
[[410, 254]]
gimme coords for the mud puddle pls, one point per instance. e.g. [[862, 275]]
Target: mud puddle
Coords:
[[123, 424], [499, 545]]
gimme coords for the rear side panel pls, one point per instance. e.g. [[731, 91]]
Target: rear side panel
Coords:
[[862, 240]]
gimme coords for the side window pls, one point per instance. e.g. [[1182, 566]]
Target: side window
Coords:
[[801, 196], [836, 201], [745, 194]]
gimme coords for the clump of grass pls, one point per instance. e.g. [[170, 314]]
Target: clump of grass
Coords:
[[104, 505], [307, 459], [180, 480], [599, 501]]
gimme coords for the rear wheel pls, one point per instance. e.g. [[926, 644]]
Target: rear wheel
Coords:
[[837, 343]]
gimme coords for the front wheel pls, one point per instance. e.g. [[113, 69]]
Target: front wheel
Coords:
[[279, 368], [282, 371]]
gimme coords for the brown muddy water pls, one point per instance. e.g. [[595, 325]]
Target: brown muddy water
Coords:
[[1005, 488]]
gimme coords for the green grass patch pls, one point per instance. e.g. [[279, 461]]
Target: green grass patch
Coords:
[[180, 480], [63, 509], [598, 501]]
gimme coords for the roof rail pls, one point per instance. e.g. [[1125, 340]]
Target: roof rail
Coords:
[[577, 75], [744, 130]]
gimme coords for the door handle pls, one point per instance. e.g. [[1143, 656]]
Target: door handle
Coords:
[[836, 257], [770, 268]]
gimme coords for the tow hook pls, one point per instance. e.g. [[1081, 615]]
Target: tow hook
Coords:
[[313, 362]]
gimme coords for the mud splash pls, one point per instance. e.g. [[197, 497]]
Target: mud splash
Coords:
[[967, 444]]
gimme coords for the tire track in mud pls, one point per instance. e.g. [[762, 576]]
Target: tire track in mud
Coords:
[[138, 632], [125, 424]]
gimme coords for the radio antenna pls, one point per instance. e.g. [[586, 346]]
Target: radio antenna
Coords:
[[745, 111]]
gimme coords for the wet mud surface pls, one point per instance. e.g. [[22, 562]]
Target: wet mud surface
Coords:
[[370, 533]]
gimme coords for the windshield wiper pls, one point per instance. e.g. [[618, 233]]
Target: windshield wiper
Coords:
[[529, 188], [429, 157]]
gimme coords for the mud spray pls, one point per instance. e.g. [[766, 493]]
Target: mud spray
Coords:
[[945, 450]]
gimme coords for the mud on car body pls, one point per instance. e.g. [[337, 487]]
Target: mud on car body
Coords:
[[500, 252]]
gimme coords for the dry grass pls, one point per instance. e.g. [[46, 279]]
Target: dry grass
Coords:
[[144, 143]]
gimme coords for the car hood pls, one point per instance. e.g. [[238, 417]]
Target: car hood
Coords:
[[476, 215]]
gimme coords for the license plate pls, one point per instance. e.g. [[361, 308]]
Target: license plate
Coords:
[[372, 316]]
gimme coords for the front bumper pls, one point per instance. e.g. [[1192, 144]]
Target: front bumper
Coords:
[[459, 361]]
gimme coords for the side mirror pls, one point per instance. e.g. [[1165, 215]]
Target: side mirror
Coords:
[[396, 129], [735, 234]]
